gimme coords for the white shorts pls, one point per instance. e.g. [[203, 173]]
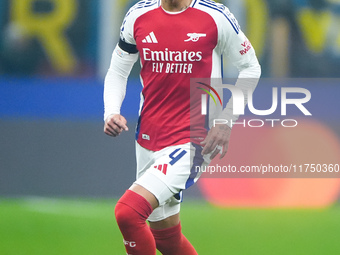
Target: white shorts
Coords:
[[167, 172]]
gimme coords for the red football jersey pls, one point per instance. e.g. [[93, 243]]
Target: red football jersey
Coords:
[[173, 48]]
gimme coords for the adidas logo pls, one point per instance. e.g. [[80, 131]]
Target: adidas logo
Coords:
[[163, 168], [151, 38]]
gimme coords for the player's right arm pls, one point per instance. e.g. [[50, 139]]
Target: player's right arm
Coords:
[[123, 58], [122, 62], [115, 124]]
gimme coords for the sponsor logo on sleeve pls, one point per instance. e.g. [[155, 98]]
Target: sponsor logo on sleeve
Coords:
[[246, 47]]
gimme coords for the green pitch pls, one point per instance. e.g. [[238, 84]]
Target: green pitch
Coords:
[[86, 227]]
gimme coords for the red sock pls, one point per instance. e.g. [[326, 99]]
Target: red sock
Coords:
[[171, 241], [131, 213]]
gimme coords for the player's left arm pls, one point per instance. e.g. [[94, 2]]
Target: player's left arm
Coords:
[[217, 141], [239, 51]]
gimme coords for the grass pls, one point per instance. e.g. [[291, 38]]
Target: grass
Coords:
[[36, 226]]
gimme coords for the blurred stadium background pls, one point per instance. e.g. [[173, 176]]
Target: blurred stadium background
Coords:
[[60, 175]]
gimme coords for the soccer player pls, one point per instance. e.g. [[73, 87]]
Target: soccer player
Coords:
[[176, 40]]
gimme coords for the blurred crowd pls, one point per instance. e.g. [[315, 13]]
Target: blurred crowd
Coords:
[[293, 38]]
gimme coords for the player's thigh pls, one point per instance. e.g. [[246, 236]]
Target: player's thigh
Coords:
[[171, 170], [177, 167], [144, 159], [168, 222], [179, 164]]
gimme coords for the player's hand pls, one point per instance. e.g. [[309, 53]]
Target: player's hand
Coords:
[[217, 141], [115, 124]]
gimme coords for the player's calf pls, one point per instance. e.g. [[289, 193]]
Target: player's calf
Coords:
[[171, 241]]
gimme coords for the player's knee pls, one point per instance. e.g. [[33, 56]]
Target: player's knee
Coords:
[[132, 210], [125, 215]]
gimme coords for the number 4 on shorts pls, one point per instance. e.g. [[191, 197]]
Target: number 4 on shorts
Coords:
[[176, 155]]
